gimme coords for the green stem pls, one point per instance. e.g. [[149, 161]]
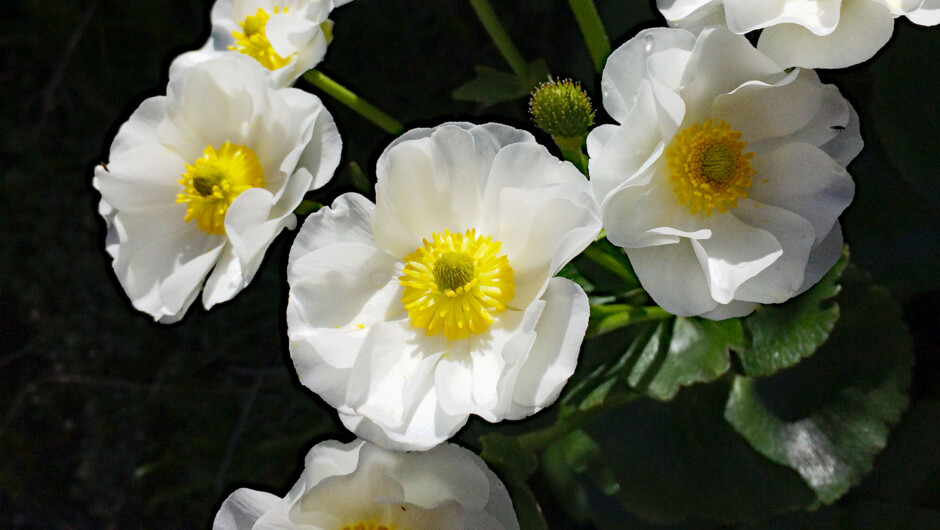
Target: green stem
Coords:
[[571, 150], [563, 426], [491, 22], [593, 30], [351, 100]]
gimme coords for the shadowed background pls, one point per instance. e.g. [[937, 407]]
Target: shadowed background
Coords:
[[108, 420]]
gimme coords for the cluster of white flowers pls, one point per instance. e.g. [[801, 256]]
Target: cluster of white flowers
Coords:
[[723, 179]]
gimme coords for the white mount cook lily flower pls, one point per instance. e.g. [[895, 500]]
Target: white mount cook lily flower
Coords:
[[725, 177], [806, 33], [439, 301], [359, 486], [200, 181], [288, 37]]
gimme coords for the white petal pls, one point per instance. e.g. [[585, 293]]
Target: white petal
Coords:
[[143, 176], [626, 67], [778, 281], [428, 426], [845, 146], [322, 155], [619, 154], [391, 370], [428, 185], [927, 15], [803, 179], [864, 27], [554, 355], [675, 10], [542, 212], [330, 458], [733, 310], [446, 472], [818, 16], [349, 219], [721, 62], [241, 509], [650, 215], [735, 253], [673, 277], [289, 33], [161, 261], [822, 258]]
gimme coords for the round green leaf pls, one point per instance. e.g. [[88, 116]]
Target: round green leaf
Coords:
[[680, 461], [829, 416], [681, 352], [782, 335]]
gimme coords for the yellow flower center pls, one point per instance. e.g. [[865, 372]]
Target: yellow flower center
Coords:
[[253, 41], [213, 181], [456, 283], [709, 168], [368, 526]]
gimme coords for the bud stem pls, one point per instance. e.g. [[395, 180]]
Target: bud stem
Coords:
[[491, 22], [593, 30], [571, 150], [356, 103]]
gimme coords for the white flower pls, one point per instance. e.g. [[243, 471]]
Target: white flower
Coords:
[[807, 33], [439, 301], [725, 178], [359, 486], [204, 178], [288, 37]]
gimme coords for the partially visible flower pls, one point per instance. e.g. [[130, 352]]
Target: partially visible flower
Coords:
[[359, 486], [725, 177], [200, 181], [439, 301], [288, 37], [810, 34]]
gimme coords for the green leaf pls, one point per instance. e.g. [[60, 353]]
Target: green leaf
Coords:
[[681, 461], [492, 86], [564, 462], [681, 352], [514, 465], [829, 416], [610, 317], [782, 335], [305, 207]]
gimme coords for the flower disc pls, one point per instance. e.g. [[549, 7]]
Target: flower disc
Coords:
[[456, 283], [709, 167], [253, 40], [213, 181]]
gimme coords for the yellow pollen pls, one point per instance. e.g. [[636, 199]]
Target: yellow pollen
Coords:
[[213, 181], [708, 167], [253, 41], [368, 526], [456, 283]]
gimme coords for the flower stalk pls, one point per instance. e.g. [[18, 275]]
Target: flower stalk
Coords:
[[592, 28], [498, 33], [568, 423], [353, 101]]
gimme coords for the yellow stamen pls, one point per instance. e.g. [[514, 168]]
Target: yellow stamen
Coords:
[[213, 181], [368, 526], [709, 168], [253, 41], [455, 284]]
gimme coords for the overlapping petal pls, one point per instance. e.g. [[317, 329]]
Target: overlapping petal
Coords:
[[393, 381], [776, 238], [161, 259], [344, 485]]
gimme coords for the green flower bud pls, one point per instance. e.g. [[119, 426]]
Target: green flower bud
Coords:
[[562, 109]]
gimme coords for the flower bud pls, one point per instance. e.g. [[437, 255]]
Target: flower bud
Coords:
[[562, 109]]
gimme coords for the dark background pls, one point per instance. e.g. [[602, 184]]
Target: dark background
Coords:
[[108, 420]]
